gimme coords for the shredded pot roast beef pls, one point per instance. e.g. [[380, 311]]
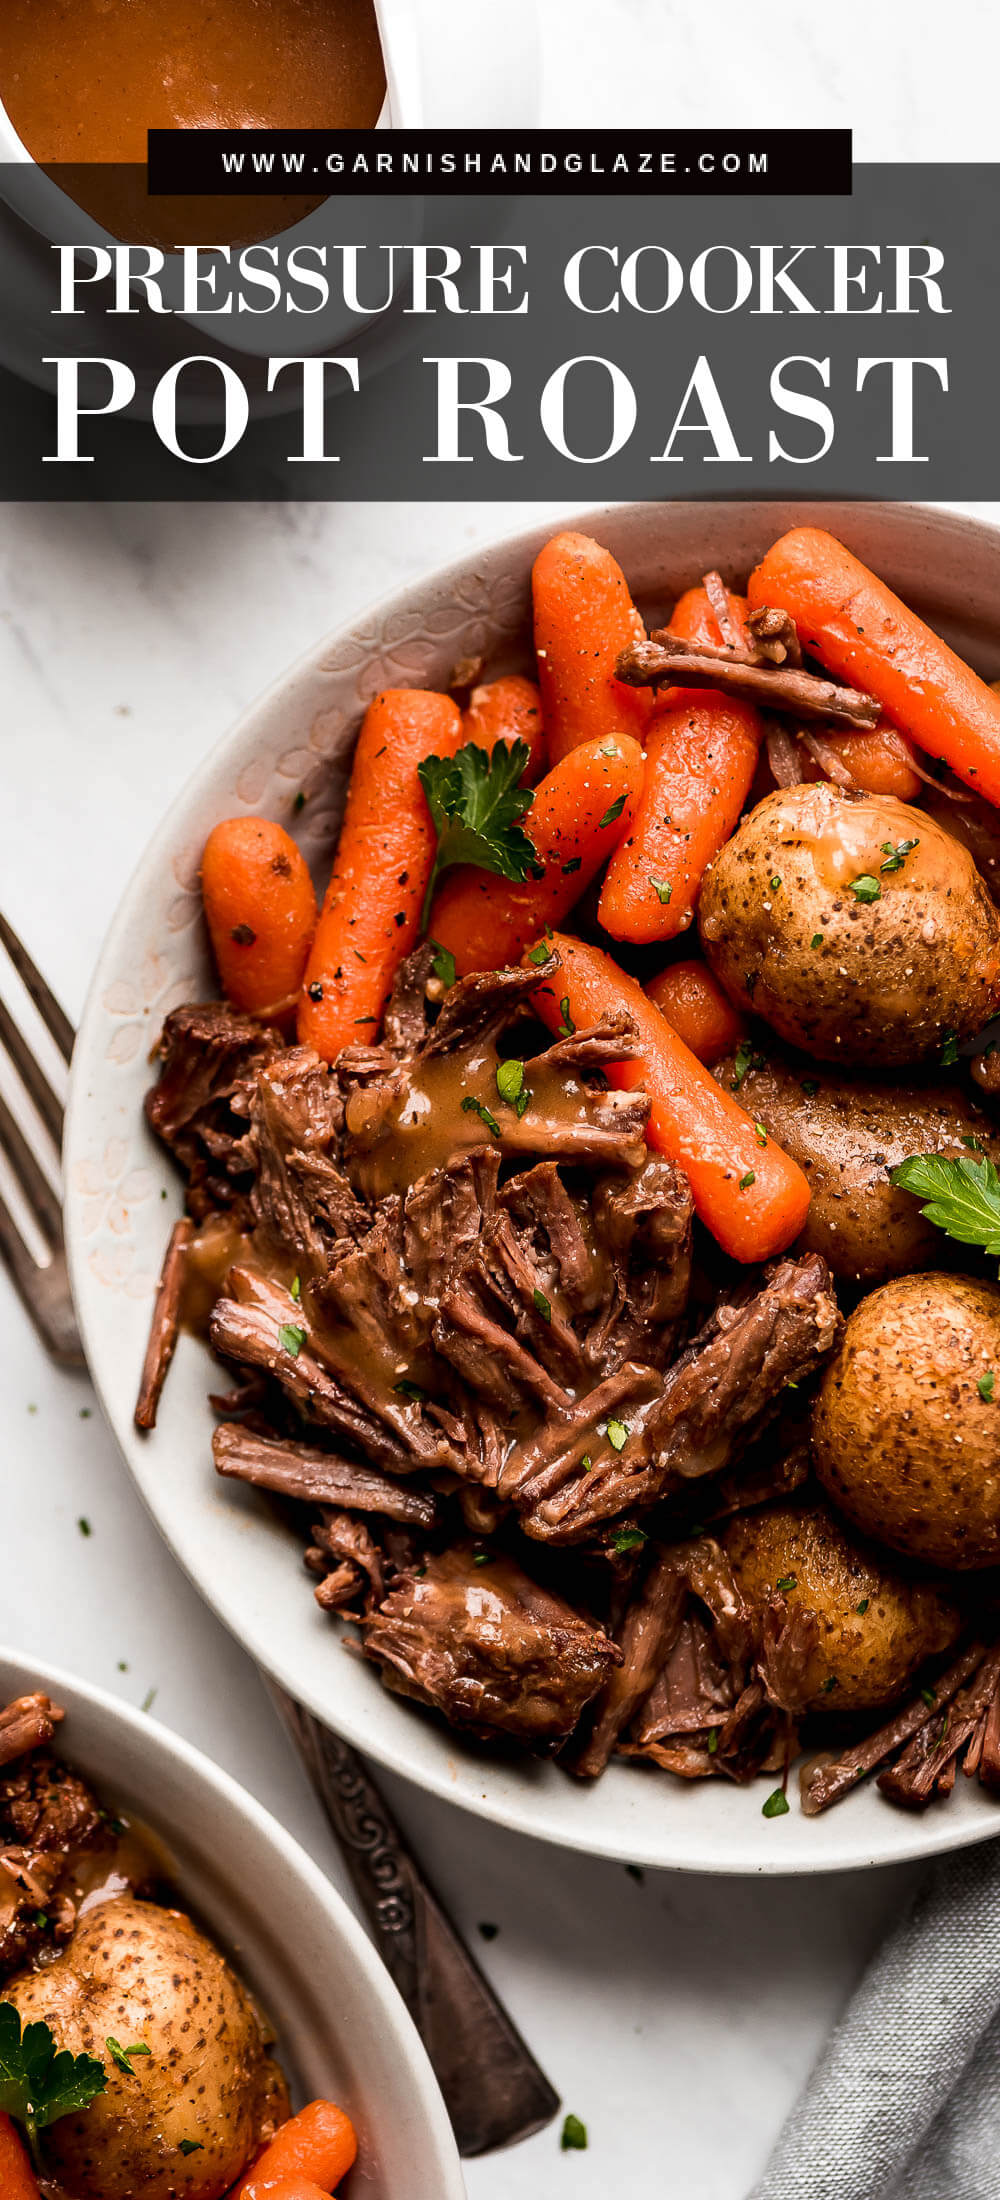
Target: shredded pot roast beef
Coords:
[[471, 1351], [57, 1844]]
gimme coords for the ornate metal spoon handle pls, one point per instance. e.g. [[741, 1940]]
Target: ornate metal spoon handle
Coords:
[[493, 2088]]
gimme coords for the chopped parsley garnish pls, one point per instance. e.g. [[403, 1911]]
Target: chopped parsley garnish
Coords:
[[747, 1058], [296, 1287], [149, 1699], [472, 1106], [896, 854], [410, 1391], [985, 1386], [612, 813], [617, 1435], [760, 1134], [121, 2055], [776, 1805], [787, 1582], [662, 888], [291, 1338], [962, 1197], [190, 2146], [775, 883], [586, 1462], [628, 1539], [510, 1081], [573, 863], [574, 2133], [84, 1526], [567, 1026], [747, 1180], [299, 802], [949, 1049], [929, 1697], [539, 954], [713, 1741], [541, 1305], [480, 1558], [865, 888], [816, 941], [38, 2081], [443, 965], [863, 1606], [476, 806]]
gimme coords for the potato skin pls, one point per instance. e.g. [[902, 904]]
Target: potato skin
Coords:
[[140, 1973], [871, 1655], [903, 1442], [847, 1133], [885, 980]]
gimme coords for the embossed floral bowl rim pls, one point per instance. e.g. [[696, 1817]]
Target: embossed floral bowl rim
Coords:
[[342, 2029], [122, 1192]]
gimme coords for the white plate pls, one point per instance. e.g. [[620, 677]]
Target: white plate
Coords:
[[122, 1191], [343, 2032]]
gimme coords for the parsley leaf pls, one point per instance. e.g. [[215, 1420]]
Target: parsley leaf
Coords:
[[628, 1539], [787, 1582], [747, 1058], [612, 813], [747, 1180], [574, 2133], [291, 1338], [539, 954], [961, 1197], [510, 1080], [866, 888], [985, 1386], [776, 1805], [472, 1106], [190, 2146], [122, 2055], [38, 2081], [476, 806], [443, 964], [896, 854], [662, 888], [618, 1435], [541, 1305], [949, 1049]]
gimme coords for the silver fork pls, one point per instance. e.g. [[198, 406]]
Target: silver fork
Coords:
[[494, 2090]]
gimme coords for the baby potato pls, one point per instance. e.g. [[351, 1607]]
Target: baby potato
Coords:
[[847, 1133], [876, 1626], [145, 1977], [852, 961], [905, 1441]]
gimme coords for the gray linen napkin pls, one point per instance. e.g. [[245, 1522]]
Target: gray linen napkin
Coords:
[[904, 2102]]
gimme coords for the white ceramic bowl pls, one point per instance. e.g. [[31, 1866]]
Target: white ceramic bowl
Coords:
[[342, 2029], [122, 1192]]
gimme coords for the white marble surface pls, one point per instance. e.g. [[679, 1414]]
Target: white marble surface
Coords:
[[129, 637]]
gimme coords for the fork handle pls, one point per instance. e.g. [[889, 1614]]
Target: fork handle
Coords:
[[493, 2088]]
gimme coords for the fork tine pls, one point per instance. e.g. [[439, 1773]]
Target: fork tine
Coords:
[[32, 1076], [43, 1292], [32, 1179], [54, 1018]]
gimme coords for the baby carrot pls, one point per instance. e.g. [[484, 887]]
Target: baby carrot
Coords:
[[584, 618], [879, 761], [17, 2178], [318, 2145], [508, 710], [863, 633], [701, 755], [580, 811], [689, 995], [749, 1194], [370, 918], [261, 913], [296, 2188]]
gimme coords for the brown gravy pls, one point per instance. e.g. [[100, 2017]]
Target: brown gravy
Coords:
[[83, 81]]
